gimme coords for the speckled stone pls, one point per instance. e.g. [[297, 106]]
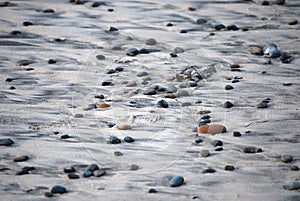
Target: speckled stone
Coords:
[[150, 41], [141, 74], [131, 84], [176, 181]]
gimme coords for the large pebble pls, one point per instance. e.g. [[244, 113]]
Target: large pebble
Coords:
[[132, 52], [176, 181], [128, 139], [21, 158], [113, 140], [271, 50], [99, 173], [92, 167], [256, 50], [286, 158], [182, 92], [124, 127], [6, 142], [162, 103], [228, 104], [251, 150], [58, 189], [212, 129], [216, 143], [149, 92]]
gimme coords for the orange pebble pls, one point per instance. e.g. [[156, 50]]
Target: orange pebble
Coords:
[[104, 105], [124, 127], [212, 129]]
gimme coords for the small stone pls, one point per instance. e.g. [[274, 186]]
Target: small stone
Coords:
[[78, 116], [52, 61], [49, 10], [118, 153], [292, 22], [286, 158], [97, 4], [182, 92], [133, 167], [280, 2], [144, 51], [271, 50], [128, 139], [58, 189], [132, 52], [64, 137], [149, 92], [262, 105], [183, 31], [176, 181], [131, 84], [106, 83], [27, 23], [99, 173], [110, 10], [204, 153], [201, 21], [73, 176], [237, 134], [119, 69], [12, 88], [15, 32], [294, 168], [150, 41], [228, 104], [124, 127], [205, 116], [6, 142], [250, 150], [48, 194], [103, 105], [219, 149], [170, 78], [216, 143], [209, 170], [100, 57], [110, 124], [113, 140], [22, 172], [192, 84], [25, 62], [173, 54], [21, 158], [162, 103], [265, 3], [171, 89], [228, 87], [204, 122], [292, 187], [186, 104], [198, 140], [152, 190], [256, 50], [169, 25], [212, 129], [87, 174], [232, 27], [229, 167], [142, 74], [235, 81], [28, 168], [110, 71], [191, 8], [234, 65], [219, 26], [178, 50], [92, 167], [112, 29], [69, 169], [99, 96]]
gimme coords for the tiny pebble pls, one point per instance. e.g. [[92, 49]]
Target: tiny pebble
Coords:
[[27, 23], [198, 140], [265, 3], [78, 116], [58, 189], [69, 169], [112, 29], [219, 26], [237, 134], [52, 61], [48, 194], [176, 181], [228, 104], [133, 167], [228, 87], [219, 149], [182, 92], [22, 172], [152, 190], [124, 127], [99, 96], [149, 92], [92, 167], [113, 140], [178, 50], [106, 83], [209, 170], [293, 22], [250, 149], [28, 168], [280, 2], [294, 168], [173, 54], [232, 27], [87, 174]]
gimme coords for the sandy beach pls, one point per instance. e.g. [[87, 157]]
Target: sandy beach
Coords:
[[150, 100]]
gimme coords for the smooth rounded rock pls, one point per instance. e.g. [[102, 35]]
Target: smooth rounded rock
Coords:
[[286, 158], [182, 92], [250, 150], [103, 105], [133, 167], [176, 181], [234, 65], [48, 194], [149, 92], [27, 23], [131, 84], [87, 174], [178, 50], [52, 61], [228, 87], [204, 153], [209, 170], [124, 127], [57, 189], [21, 158], [212, 129], [237, 134], [100, 57], [292, 187], [295, 168], [162, 103], [292, 22], [128, 139], [99, 173], [229, 167], [92, 167], [73, 176], [232, 27], [198, 140], [201, 21], [228, 104], [150, 41], [69, 169], [113, 140], [271, 50], [152, 190], [219, 26], [262, 105], [6, 142], [216, 143], [132, 52]]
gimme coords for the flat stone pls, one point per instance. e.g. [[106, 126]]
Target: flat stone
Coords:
[[73, 176], [292, 187], [198, 140], [212, 129], [216, 143], [250, 150], [209, 170], [48, 194], [21, 158], [152, 190], [6, 142], [286, 158], [256, 50], [124, 127], [69, 169], [132, 52], [228, 87], [204, 153], [182, 92], [112, 29], [118, 153], [58, 189], [176, 181], [292, 22], [128, 139], [178, 50], [149, 92], [232, 27], [99, 173], [234, 65], [262, 105], [133, 167], [113, 140], [100, 57], [92, 167]]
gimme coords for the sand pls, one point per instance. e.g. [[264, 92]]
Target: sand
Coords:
[[47, 100]]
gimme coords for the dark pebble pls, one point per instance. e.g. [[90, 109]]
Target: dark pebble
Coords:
[[173, 54], [118, 153], [99, 173], [169, 25], [204, 153], [110, 10], [15, 32], [176, 181], [144, 51], [64, 137], [106, 83], [49, 10], [9, 79], [132, 52], [192, 83], [293, 22], [294, 168], [228, 104], [87, 174], [229, 167], [73, 176], [28, 168], [201, 21], [52, 61], [251, 150], [265, 3], [216, 143], [48, 194], [58, 189], [21, 158], [219, 149], [292, 187], [110, 124], [235, 81], [25, 62], [119, 69], [22, 172], [113, 140], [6, 142], [112, 29], [204, 122], [232, 27], [110, 71], [162, 103], [205, 116], [97, 4], [92, 167], [12, 88], [237, 134], [100, 57], [27, 23], [69, 169], [262, 105], [219, 26], [183, 31], [128, 139], [149, 92], [152, 190], [280, 2], [78, 116], [99, 96], [133, 167], [198, 140], [228, 87], [209, 170], [286, 158]]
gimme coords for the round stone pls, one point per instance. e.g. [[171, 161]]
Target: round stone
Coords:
[[176, 181], [113, 140], [48, 194], [87, 174], [250, 150], [132, 52], [73, 176], [171, 89], [201, 21], [149, 92], [286, 158], [292, 187], [232, 27], [229, 167], [237, 134], [162, 103], [294, 168], [152, 190], [58, 189], [198, 140], [92, 167], [150, 41], [6, 142], [99, 173], [204, 153], [219, 26], [212, 129], [100, 57], [169, 24], [119, 69], [256, 50], [124, 127], [128, 139], [182, 92], [192, 84], [15, 32], [133, 167], [69, 169], [131, 84], [228, 87], [27, 23], [209, 170], [292, 22], [178, 50], [21, 158], [216, 143], [186, 104]]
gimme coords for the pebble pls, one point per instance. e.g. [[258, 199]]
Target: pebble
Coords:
[[150, 41], [182, 85], [27, 23], [149, 92], [110, 124], [103, 105], [209, 170], [99, 96], [15, 32], [100, 57], [216, 143], [201, 21], [22, 172], [78, 116], [142, 74], [229, 167], [271, 50], [87, 174], [192, 83], [106, 83], [232, 27], [21, 158], [58, 189], [171, 89], [12, 88], [110, 71], [169, 24], [198, 140], [52, 61], [69, 169], [97, 4], [169, 95], [262, 105], [64, 137], [48, 194], [25, 62], [99, 173], [251, 150], [124, 127], [203, 122], [292, 187], [176, 181], [73, 176], [256, 50], [235, 81], [204, 153], [292, 22], [172, 54], [49, 10], [212, 129], [152, 190], [144, 51], [132, 52], [286, 158], [182, 92], [228, 104], [280, 2], [265, 3], [118, 153], [110, 10], [228, 87], [128, 139], [186, 104], [162, 103], [6, 142], [170, 78], [219, 26], [234, 65], [237, 134], [92, 167], [294, 168], [178, 50], [131, 84], [113, 140], [28, 168], [219, 149], [112, 29], [133, 167], [119, 69]]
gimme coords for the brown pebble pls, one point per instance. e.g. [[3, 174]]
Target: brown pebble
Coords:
[[293, 22], [191, 8], [234, 65], [169, 78], [169, 95], [256, 50], [103, 105], [131, 84], [21, 158], [124, 127], [48, 194], [212, 129]]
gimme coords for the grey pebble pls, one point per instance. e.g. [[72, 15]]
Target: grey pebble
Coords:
[[132, 52], [292, 186], [113, 140], [204, 153], [201, 21], [150, 41], [141, 74], [133, 167], [99, 173], [100, 57], [58, 189], [73, 176], [216, 143], [178, 50], [171, 89], [229, 167], [209, 170], [192, 84], [262, 105], [118, 153], [87, 174], [6, 142], [176, 181], [78, 116], [271, 50], [149, 92], [21, 158], [286, 158], [182, 92], [251, 150], [294, 168]]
